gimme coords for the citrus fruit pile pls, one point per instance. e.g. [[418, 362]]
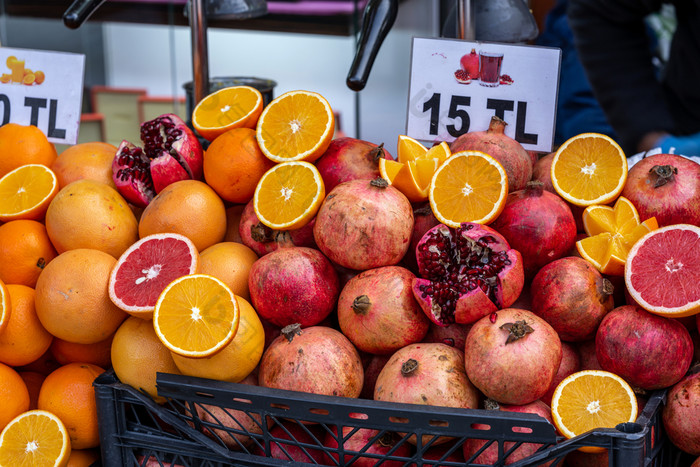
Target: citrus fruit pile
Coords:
[[284, 223]]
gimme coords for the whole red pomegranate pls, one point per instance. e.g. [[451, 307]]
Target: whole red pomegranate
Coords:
[[665, 186], [263, 240], [293, 285], [378, 313], [537, 223], [632, 343], [681, 414], [570, 364], [368, 445], [586, 352], [454, 335], [287, 440], [572, 296], [542, 171], [350, 159], [494, 142], [171, 152], [423, 220], [512, 356], [364, 224], [317, 360], [470, 64], [489, 455], [372, 365], [466, 273]]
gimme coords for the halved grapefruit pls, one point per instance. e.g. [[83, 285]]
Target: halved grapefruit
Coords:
[[146, 268], [663, 271]]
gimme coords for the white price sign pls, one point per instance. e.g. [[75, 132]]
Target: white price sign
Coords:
[[456, 86], [44, 89]]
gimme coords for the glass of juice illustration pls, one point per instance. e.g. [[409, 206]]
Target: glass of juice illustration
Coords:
[[489, 68]]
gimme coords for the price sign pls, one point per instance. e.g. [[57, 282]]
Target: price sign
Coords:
[[44, 89], [457, 86]]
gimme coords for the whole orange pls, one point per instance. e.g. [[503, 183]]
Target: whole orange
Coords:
[[13, 394], [24, 339], [138, 354], [91, 160], [25, 249], [188, 207], [71, 352], [91, 214], [24, 144], [68, 393], [234, 163], [230, 262], [72, 300]]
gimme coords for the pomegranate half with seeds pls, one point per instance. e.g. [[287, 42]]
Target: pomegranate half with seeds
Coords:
[[171, 152], [466, 273]]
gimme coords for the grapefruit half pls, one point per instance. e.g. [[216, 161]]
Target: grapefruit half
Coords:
[[662, 272], [146, 268]]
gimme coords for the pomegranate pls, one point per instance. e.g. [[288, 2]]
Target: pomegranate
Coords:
[[364, 224], [293, 450], [466, 273], [681, 414], [586, 353], [317, 360], [631, 342], [511, 154], [489, 455], [293, 285], [470, 64], [445, 452], [171, 152], [378, 313], [665, 186], [263, 240], [350, 159], [423, 220], [572, 296], [512, 356], [454, 335], [570, 364], [537, 223], [541, 171], [505, 79], [462, 77], [373, 365], [364, 447]]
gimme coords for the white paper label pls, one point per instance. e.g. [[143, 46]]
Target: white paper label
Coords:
[[44, 89], [518, 83]]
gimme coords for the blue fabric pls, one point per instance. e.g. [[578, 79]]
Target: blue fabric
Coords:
[[685, 145]]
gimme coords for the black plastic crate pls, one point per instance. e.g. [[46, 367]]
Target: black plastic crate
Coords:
[[195, 427]]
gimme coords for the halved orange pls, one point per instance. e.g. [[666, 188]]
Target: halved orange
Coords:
[[5, 306], [470, 186], [589, 168], [26, 192], [612, 233], [591, 399], [409, 149], [296, 126], [440, 152], [196, 316], [35, 438], [226, 109], [288, 195]]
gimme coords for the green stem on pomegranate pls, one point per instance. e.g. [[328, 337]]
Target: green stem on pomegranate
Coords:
[[361, 305]]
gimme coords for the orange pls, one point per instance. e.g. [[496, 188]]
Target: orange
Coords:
[[39, 77], [35, 438], [91, 160], [235, 361], [226, 109], [91, 214], [589, 168], [5, 306], [196, 316], [138, 354], [69, 352], [190, 208], [415, 167], [83, 457], [33, 380], [591, 399], [229, 262], [612, 232], [470, 186], [24, 339], [13, 394], [25, 249], [296, 126], [68, 393], [233, 221], [72, 301], [233, 164], [24, 144], [25, 192], [289, 195]]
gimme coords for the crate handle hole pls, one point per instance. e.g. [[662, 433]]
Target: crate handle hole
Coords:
[[399, 420], [279, 406], [480, 426], [319, 411], [438, 423], [358, 416], [245, 401], [521, 429], [205, 394], [629, 427]]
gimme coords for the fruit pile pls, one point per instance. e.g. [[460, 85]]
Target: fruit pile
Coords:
[[469, 275]]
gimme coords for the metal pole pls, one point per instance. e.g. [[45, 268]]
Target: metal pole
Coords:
[[466, 24], [200, 60]]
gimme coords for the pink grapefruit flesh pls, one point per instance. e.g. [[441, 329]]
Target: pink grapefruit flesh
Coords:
[[146, 268], [662, 272]]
